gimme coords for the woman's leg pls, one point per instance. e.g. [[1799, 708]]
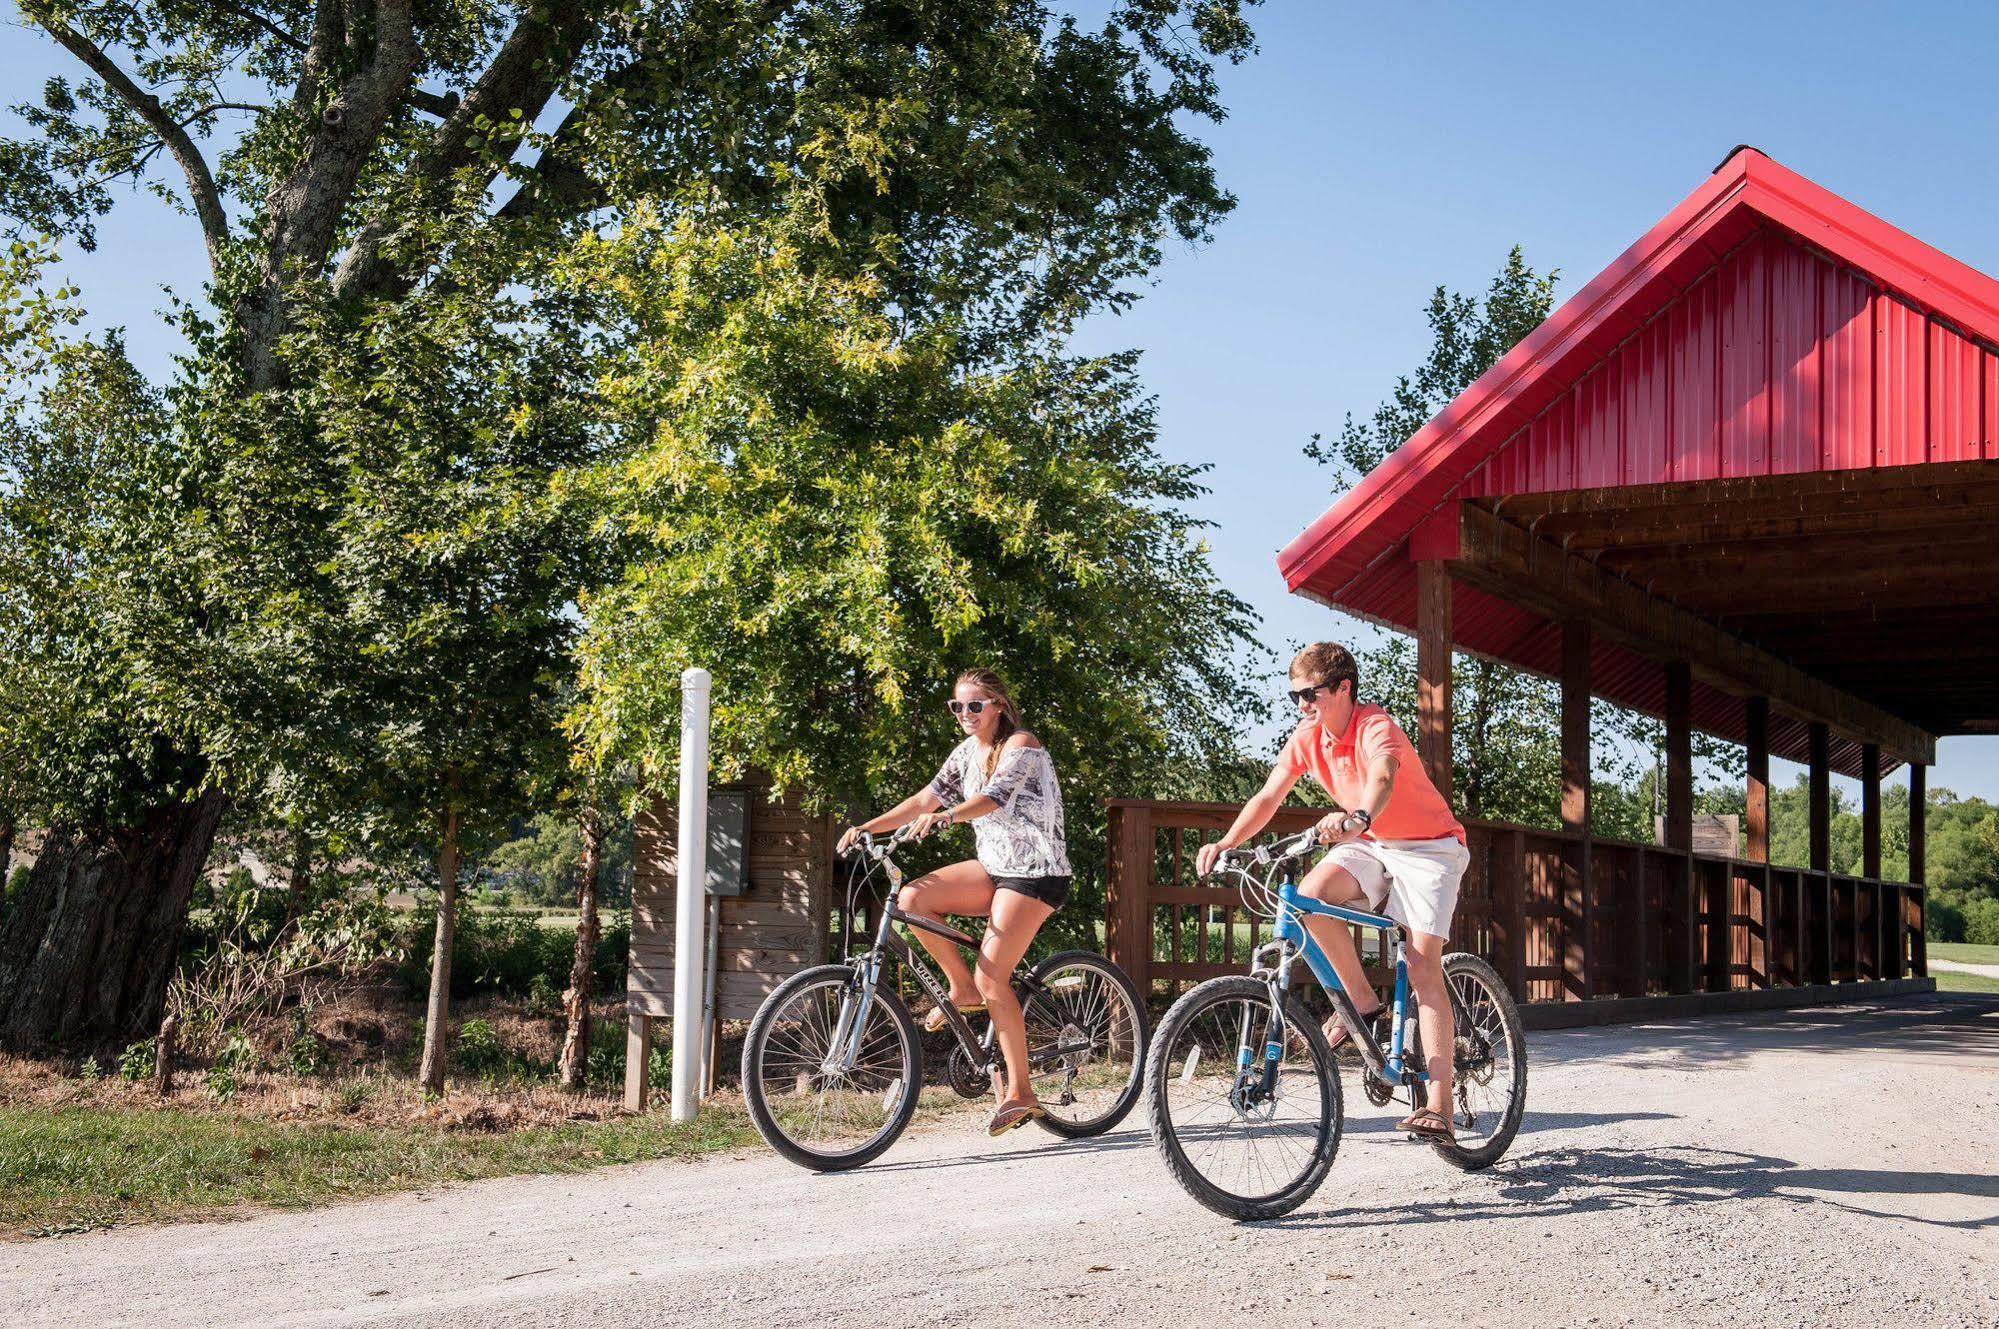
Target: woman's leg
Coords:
[[1016, 918], [962, 888]]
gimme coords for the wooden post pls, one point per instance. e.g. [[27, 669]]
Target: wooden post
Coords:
[[1756, 809], [1509, 908], [1918, 814], [1821, 806], [1870, 810], [1575, 792], [1433, 672], [638, 1058], [1128, 924]]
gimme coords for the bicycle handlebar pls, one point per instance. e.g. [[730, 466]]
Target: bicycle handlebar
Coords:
[[1297, 846]]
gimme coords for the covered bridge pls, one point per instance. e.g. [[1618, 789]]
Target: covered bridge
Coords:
[[1745, 481]]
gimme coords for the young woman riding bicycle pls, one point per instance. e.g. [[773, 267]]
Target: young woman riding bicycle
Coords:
[[999, 779]]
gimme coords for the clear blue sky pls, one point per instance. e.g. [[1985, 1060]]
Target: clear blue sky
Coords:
[[1378, 151]]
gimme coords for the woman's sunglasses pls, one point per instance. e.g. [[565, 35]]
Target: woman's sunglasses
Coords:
[[1299, 696], [968, 707]]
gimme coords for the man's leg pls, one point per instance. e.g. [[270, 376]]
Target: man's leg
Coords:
[[1433, 1016], [1333, 884]]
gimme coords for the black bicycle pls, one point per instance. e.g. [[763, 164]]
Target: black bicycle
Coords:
[[833, 1065]]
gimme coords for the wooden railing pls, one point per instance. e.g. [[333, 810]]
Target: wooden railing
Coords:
[[1562, 918]]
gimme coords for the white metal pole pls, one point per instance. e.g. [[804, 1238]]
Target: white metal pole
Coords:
[[688, 950]]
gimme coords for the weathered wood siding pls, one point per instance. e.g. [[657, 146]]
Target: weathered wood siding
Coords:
[[775, 928]]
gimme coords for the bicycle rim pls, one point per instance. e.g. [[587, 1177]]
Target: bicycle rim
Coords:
[[821, 1106], [1086, 1038], [1489, 1068], [1238, 1153]]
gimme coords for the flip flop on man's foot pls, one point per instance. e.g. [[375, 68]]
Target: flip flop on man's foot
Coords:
[[1430, 1124], [1011, 1115], [934, 1022], [1335, 1029]]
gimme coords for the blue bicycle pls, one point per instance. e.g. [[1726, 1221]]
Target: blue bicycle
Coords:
[[1246, 1103]]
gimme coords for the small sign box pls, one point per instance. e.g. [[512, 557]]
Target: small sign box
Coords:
[[728, 841], [1717, 835]]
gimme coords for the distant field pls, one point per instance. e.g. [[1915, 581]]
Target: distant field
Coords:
[[1964, 952]]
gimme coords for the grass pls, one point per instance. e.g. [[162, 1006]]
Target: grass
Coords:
[[1964, 952], [68, 1169], [1950, 982]]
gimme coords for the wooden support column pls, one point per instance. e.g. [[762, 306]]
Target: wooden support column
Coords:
[[1918, 814], [1579, 899], [1756, 800], [638, 1059], [1679, 756], [1870, 810], [1433, 672]]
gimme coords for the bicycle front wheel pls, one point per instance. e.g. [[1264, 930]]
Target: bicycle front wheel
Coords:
[[1239, 1148], [831, 1073], [1489, 1068], [1085, 1042]]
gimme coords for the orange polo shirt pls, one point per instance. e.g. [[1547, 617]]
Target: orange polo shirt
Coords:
[[1415, 811]]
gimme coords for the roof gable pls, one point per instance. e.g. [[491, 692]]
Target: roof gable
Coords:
[[1765, 325]]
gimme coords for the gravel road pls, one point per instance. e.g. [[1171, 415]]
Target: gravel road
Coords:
[[1828, 1167]]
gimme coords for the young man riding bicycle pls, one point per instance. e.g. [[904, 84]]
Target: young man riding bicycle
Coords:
[[1397, 849]]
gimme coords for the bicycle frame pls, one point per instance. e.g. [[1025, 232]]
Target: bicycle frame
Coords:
[[1291, 940], [890, 944]]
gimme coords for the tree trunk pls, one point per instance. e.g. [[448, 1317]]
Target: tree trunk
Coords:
[[300, 884], [87, 952], [435, 1043], [583, 967]]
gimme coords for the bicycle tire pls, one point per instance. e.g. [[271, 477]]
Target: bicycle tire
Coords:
[[757, 1043], [1462, 965], [1166, 1137], [1134, 1085]]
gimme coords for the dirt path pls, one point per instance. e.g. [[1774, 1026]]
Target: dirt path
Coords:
[[1961, 967], [1782, 1169]]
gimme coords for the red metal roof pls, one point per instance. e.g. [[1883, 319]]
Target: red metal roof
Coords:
[[1764, 326]]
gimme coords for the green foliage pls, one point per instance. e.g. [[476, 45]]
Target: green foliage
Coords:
[[479, 1050], [1468, 336], [136, 1062], [91, 1071], [507, 951], [541, 866]]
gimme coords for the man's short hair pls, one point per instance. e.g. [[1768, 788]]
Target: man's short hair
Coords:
[[1331, 662]]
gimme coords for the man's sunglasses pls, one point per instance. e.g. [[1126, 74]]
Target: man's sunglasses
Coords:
[[1299, 696], [968, 707]]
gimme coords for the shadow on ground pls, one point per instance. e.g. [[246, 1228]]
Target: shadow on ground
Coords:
[[1558, 1182]]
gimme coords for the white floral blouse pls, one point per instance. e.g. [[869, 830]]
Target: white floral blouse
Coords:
[[1023, 836]]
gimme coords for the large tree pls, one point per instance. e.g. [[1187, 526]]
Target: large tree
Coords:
[[378, 186]]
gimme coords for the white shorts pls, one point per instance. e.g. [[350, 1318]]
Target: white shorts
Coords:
[[1417, 879]]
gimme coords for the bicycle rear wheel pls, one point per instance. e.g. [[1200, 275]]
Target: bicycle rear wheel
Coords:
[[1242, 1154], [804, 1099], [1489, 1068], [1086, 1041]]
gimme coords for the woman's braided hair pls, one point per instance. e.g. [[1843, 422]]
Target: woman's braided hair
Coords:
[[991, 684]]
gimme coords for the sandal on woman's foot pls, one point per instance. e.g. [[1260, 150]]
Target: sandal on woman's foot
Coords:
[[934, 1022], [1335, 1029], [1012, 1115], [1430, 1124]]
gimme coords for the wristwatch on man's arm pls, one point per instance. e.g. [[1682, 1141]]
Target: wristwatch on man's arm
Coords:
[[1361, 815]]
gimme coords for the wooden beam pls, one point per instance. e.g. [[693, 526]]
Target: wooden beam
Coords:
[[1870, 811], [1821, 807], [1575, 725], [1679, 756], [1918, 817], [1756, 799], [1578, 891], [1504, 560], [1433, 672]]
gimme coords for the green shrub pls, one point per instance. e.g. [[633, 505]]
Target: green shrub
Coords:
[[136, 1061], [91, 1071], [543, 1001], [604, 1065], [1981, 921], [504, 951]]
